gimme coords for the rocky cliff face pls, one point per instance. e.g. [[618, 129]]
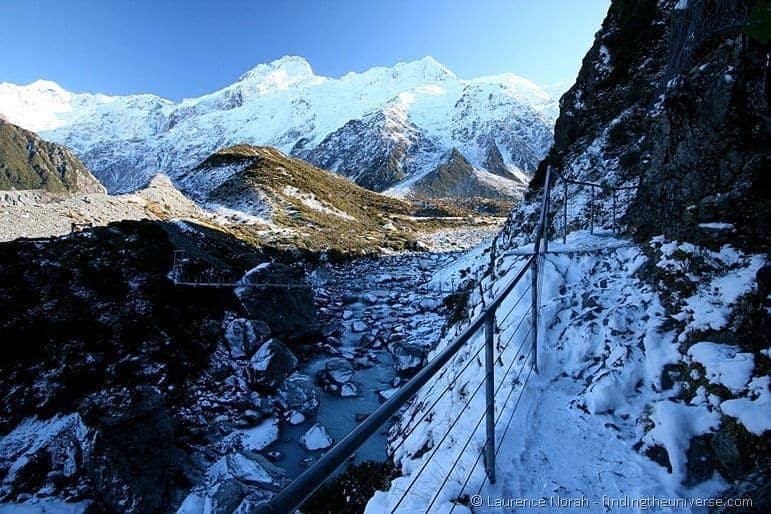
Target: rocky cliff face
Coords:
[[28, 162], [113, 375], [674, 96], [380, 127]]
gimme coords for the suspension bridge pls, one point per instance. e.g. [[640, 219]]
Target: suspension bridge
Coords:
[[504, 334], [220, 279]]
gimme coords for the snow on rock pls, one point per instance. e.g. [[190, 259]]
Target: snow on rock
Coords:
[[243, 336], [316, 438], [607, 343], [724, 364], [729, 275], [337, 371], [271, 364], [260, 436], [386, 394], [753, 411], [674, 426], [62, 437], [348, 390], [297, 394]]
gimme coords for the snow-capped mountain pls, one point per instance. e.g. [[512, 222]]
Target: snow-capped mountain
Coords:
[[385, 128]]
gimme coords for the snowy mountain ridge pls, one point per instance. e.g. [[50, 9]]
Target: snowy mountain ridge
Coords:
[[379, 127]]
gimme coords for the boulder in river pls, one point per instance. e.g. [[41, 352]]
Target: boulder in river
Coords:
[[408, 358], [359, 326], [336, 372], [298, 393], [250, 468], [316, 438], [243, 336], [349, 389], [270, 365]]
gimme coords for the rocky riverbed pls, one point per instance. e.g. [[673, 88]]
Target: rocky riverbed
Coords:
[[198, 399], [380, 318]]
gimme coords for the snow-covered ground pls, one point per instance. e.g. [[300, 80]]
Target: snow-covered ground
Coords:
[[581, 430]]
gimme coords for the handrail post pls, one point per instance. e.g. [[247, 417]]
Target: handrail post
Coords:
[[490, 396], [591, 211], [565, 213], [534, 309], [546, 206]]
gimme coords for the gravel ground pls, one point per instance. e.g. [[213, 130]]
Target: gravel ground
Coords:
[[40, 214]]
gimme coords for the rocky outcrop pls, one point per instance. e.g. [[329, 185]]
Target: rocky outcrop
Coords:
[[28, 162], [103, 355], [456, 177], [674, 96], [289, 312]]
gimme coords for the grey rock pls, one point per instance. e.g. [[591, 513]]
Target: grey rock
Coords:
[[298, 393], [336, 372], [316, 438], [226, 495], [243, 336], [253, 469]]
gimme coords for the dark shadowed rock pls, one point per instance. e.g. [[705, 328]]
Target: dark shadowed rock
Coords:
[[270, 365], [132, 448], [244, 336], [290, 312]]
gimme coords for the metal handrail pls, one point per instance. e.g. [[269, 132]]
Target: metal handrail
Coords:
[[591, 185], [300, 489], [311, 479]]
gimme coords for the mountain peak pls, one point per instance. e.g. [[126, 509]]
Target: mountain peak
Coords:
[[427, 67], [283, 72]]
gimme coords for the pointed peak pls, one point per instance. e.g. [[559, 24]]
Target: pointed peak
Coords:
[[291, 66], [456, 155], [427, 67]]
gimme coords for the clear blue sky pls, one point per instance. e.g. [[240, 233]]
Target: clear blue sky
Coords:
[[186, 48]]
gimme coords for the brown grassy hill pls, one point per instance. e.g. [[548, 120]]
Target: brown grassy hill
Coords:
[[28, 162]]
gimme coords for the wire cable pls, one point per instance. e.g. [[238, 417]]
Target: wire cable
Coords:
[[471, 436], [500, 442]]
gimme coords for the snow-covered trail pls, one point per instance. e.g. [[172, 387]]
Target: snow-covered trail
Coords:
[[585, 424], [560, 453]]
